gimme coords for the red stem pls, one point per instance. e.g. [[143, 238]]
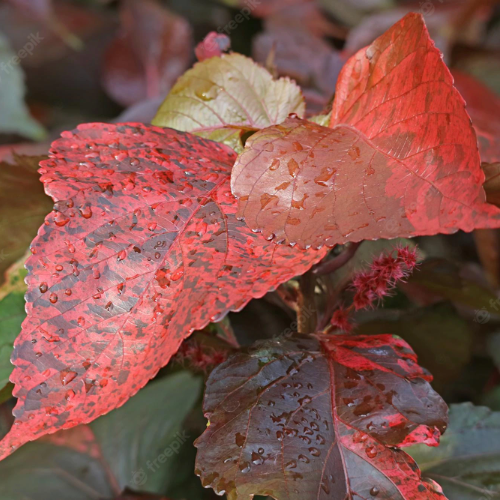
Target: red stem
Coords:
[[337, 262]]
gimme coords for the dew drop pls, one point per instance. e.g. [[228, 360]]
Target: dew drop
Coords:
[[69, 395], [239, 440], [86, 212], [67, 376], [275, 164], [245, 467], [325, 487]]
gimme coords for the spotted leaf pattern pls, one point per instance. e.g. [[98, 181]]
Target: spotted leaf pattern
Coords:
[[305, 417], [142, 248]]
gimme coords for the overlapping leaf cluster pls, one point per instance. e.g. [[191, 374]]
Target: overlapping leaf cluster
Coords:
[[146, 243]]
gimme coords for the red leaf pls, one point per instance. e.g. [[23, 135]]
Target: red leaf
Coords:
[[311, 61], [483, 106], [152, 51], [309, 417], [400, 159], [143, 247]]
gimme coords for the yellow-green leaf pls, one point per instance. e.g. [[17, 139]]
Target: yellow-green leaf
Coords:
[[224, 98]]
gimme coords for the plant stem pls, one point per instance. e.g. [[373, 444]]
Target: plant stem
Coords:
[[306, 310], [337, 262]]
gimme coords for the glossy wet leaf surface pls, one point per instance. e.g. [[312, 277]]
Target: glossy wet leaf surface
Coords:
[[143, 247], [228, 95], [100, 460], [400, 157], [296, 418], [467, 463]]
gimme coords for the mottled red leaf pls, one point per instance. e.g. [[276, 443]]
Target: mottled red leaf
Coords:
[[143, 247], [400, 158], [319, 418]]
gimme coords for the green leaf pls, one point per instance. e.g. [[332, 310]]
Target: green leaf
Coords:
[[494, 348], [492, 399], [15, 117], [54, 472], [135, 446], [224, 98], [12, 314], [440, 338], [445, 279], [323, 120], [467, 462], [133, 437]]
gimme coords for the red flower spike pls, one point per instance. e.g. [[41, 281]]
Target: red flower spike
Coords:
[[197, 356], [143, 247], [363, 299], [408, 256], [340, 319], [389, 268], [385, 272]]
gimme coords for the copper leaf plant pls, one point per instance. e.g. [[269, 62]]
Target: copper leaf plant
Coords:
[[159, 231]]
